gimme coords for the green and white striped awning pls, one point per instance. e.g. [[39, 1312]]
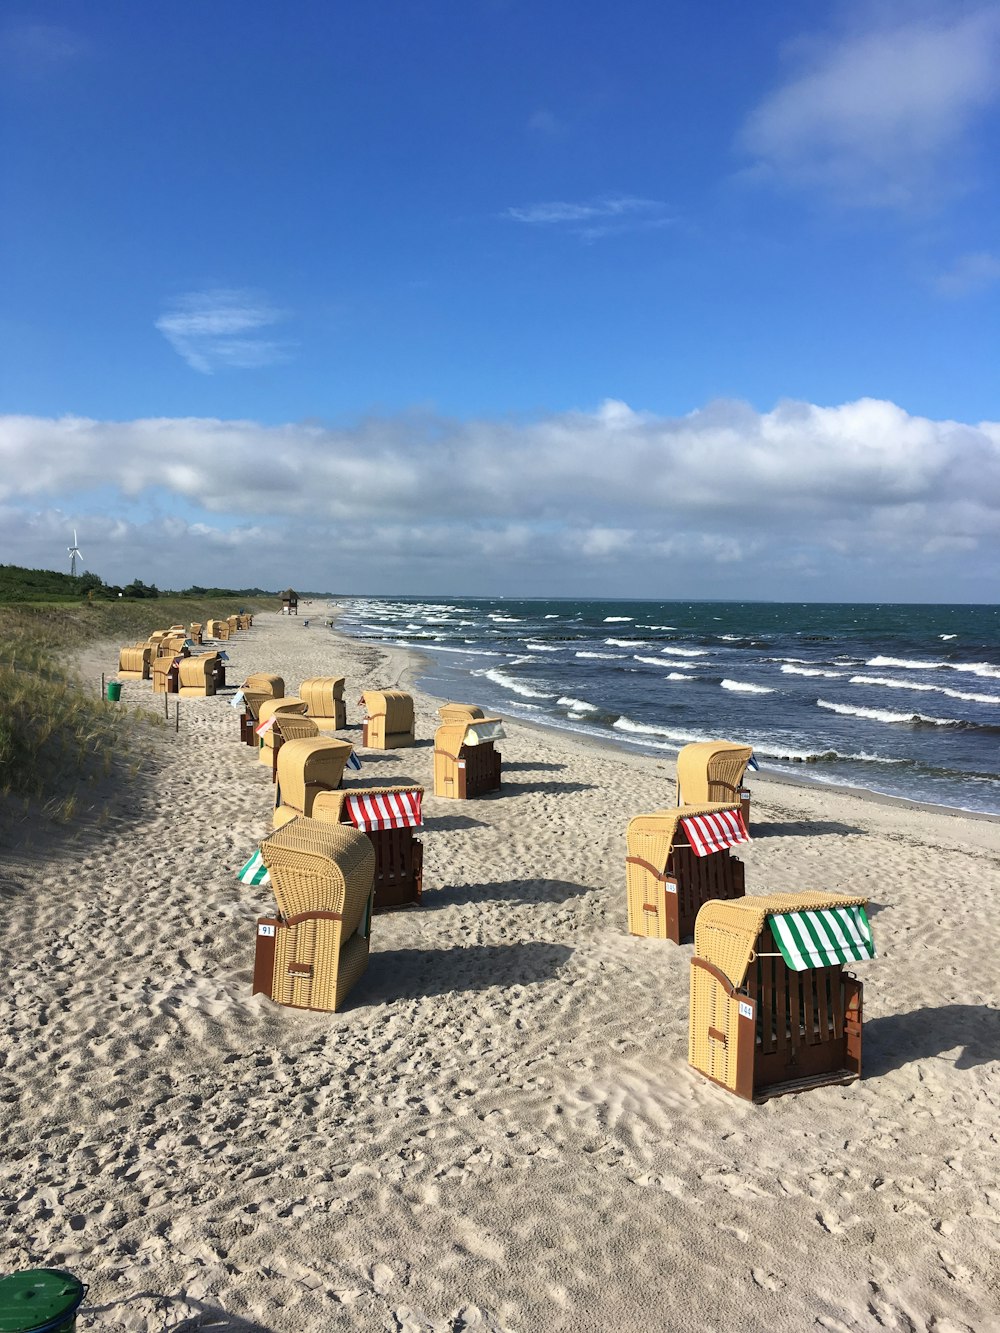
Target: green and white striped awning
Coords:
[[255, 871], [823, 938]]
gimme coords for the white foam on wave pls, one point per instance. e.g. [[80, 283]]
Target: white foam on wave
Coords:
[[552, 616], [811, 671], [947, 636], [984, 669], [515, 686], [611, 620], [541, 647], [465, 652], [578, 705], [742, 687], [642, 729], [652, 661], [626, 643], [605, 657], [686, 652], [678, 675], [885, 714], [504, 620], [925, 689]]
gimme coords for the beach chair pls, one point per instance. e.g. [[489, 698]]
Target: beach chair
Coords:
[[713, 771], [288, 725], [165, 672], [306, 767], [172, 645], [325, 698], [234, 624], [312, 953], [460, 712], [389, 721], [268, 710], [256, 690], [197, 676], [194, 631], [218, 630], [772, 1009], [387, 816], [134, 663], [678, 860], [465, 763], [245, 620]]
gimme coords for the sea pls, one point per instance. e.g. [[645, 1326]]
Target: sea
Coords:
[[903, 700]]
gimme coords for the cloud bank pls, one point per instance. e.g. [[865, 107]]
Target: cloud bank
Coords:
[[857, 501]]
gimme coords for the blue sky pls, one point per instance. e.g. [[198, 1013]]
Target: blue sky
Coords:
[[672, 300]]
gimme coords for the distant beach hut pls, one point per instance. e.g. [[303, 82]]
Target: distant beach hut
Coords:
[[289, 602]]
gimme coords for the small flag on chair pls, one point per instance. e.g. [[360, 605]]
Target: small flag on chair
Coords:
[[255, 871], [353, 761], [223, 657], [753, 764], [236, 700], [262, 728]]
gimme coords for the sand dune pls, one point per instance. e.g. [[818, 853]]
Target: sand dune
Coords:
[[500, 1131]]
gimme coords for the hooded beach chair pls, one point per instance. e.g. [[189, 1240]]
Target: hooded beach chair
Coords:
[[287, 726], [389, 721], [453, 712], [198, 676], [465, 763], [312, 953], [306, 767], [269, 740], [165, 671], [245, 620], [234, 624], [713, 771], [772, 1009], [256, 689], [387, 816], [134, 663], [324, 696], [194, 631], [677, 860]]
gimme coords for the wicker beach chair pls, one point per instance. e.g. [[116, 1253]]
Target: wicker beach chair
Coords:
[[772, 1009], [172, 645], [389, 721], [234, 624], [198, 676], [268, 711], [678, 860], [165, 672], [134, 663], [288, 726], [713, 771], [316, 949], [256, 690], [325, 698], [465, 763], [387, 816], [307, 766], [194, 631], [453, 712]]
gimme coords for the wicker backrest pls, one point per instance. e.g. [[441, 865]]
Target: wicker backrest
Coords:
[[652, 836], [172, 646], [294, 726], [320, 868], [711, 771], [234, 623], [195, 671], [394, 705], [260, 682], [309, 765], [268, 708], [321, 694], [134, 659], [459, 712], [725, 933]]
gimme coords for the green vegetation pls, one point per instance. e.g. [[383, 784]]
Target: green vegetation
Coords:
[[56, 735], [18, 584]]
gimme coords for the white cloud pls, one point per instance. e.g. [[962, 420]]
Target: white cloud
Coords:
[[882, 117], [722, 494], [969, 275], [208, 329], [594, 218]]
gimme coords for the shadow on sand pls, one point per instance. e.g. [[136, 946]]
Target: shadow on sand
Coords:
[[801, 829], [410, 974], [501, 891], [899, 1039]]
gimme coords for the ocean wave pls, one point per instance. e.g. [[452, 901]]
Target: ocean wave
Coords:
[[578, 705], [605, 657], [551, 616], [947, 636], [905, 663], [516, 686], [504, 620], [964, 695], [542, 647], [465, 652], [811, 671], [743, 688], [678, 675], [685, 652], [623, 620], [652, 661], [642, 729], [886, 715], [626, 643]]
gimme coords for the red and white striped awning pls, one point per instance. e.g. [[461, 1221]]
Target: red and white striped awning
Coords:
[[369, 811], [715, 832]]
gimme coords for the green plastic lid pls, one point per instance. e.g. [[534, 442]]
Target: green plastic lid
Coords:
[[37, 1298]]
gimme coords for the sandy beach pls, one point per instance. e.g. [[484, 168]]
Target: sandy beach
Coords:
[[500, 1131]]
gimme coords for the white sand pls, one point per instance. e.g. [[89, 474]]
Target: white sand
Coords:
[[501, 1130]]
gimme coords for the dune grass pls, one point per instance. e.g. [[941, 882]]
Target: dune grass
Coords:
[[57, 738]]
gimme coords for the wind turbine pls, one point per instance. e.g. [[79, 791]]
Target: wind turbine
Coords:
[[73, 551]]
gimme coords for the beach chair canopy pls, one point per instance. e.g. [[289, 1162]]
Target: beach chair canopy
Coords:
[[322, 694], [812, 929], [394, 705], [260, 682], [449, 738], [712, 827], [309, 765], [453, 712], [711, 771], [269, 708], [194, 672], [320, 868], [371, 808]]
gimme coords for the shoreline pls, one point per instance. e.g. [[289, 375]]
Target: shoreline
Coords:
[[417, 662]]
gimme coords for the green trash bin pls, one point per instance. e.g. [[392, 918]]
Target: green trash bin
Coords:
[[40, 1300], [114, 690]]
